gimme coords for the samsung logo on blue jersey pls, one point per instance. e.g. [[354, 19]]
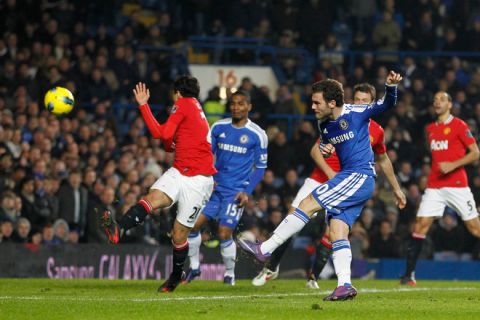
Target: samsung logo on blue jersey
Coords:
[[341, 138], [232, 148]]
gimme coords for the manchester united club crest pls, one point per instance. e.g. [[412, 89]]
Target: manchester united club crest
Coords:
[[371, 139], [343, 124], [447, 130], [244, 139]]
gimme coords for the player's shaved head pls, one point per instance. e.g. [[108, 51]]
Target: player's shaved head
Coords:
[[446, 94], [242, 93]]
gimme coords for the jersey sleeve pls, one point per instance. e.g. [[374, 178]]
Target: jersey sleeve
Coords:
[[465, 135], [379, 147], [367, 111], [261, 151]]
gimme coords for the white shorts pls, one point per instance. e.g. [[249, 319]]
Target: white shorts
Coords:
[[191, 193], [459, 199], [308, 186]]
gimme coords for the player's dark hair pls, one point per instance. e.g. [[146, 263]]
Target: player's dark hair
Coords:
[[331, 89], [243, 94], [187, 86], [365, 88]]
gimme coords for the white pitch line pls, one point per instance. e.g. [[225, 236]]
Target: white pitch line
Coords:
[[258, 296]]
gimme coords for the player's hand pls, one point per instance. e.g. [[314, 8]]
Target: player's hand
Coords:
[[446, 167], [142, 94], [326, 149], [393, 78], [241, 198], [401, 200]]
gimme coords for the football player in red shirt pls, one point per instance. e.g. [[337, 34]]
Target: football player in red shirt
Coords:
[[449, 138], [188, 183], [325, 169]]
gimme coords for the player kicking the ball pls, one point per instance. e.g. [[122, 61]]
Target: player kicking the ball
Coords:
[[188, 183], [449, 138], [326, 169], [240, 147], [346, 128]]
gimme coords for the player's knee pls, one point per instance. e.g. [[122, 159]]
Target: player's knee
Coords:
[[224, 234], [309, 205], [179, 237], [422, 225], [474, 228], [158, 199]]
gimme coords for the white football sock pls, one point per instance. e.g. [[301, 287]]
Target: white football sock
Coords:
[[228, 249], [292, 224], [194, 241], [342, 260]]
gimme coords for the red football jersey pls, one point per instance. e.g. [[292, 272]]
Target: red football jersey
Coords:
[[448, 142], [378, 147], [193, 152]]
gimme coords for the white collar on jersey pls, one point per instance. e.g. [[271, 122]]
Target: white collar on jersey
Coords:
[[449, 119], [246, 124]]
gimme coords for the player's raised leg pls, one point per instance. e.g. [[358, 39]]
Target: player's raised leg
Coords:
[[292, 224], [134, 216]]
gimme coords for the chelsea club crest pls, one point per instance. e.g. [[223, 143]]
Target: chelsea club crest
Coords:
[[244, 139], [343, 124]]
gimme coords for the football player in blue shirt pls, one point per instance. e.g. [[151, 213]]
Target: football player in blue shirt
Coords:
[[240, 147], [344, 128]]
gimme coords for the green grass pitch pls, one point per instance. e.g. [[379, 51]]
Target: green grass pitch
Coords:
[[280, 299]]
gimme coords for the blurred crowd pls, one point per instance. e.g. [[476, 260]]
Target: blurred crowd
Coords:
[[58, 174]]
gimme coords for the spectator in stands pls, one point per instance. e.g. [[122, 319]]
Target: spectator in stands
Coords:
[[73, 201], [7, 207], [61, 231], [448, 237], [48, 236], [29, 208], [280, 148], [213, 106], [21, 231], [386, 37], [383, 244], [331, 49], [6, 231]]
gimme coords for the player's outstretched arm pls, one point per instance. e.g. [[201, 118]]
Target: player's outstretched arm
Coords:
[[142, 94], [388, 101]]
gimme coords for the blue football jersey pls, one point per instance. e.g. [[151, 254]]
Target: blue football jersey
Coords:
[[237, 152], [349, 133]]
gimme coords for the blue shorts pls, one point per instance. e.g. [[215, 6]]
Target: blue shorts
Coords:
[[223, 208], [344, 196]]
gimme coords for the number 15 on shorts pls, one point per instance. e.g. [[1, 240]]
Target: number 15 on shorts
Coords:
[[234, 212]]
